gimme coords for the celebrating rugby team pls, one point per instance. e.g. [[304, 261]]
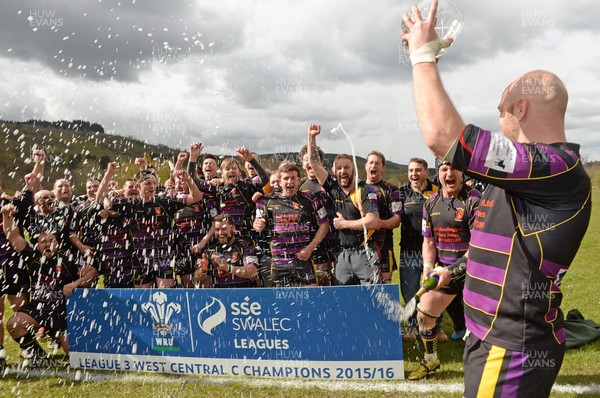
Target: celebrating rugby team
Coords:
[[234, 224]]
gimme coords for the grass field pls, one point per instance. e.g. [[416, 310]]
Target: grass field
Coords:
[[581, 366]]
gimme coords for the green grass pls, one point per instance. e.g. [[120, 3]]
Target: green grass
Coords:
[[581, 365]]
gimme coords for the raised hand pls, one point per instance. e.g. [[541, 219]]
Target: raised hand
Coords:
[[245, 154], [314, 130]]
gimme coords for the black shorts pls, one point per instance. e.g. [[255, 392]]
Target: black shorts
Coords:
[[148, 273], [118, 279], [298, 273], [53, 322], [321, 255], [14, 280], [185, 265], [496, 371], [387, 260]]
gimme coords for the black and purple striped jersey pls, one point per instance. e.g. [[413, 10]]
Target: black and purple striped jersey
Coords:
[[448, 221], [192, 223], [323, 252], [116, 249], [237, 254], [235, 201], [48, 277], [526, 232], [59, 221], [293, 222], [151, 227]]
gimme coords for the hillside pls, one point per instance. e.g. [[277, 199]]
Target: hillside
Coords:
[[74, 150]]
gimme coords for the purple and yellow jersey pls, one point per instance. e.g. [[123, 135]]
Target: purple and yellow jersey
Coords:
[[448, 221], [293, 222], [526, 232]]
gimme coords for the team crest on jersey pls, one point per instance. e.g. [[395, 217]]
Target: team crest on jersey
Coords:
[[459, 214], [158, 211], [234, 191], [197, 208], [295, 205], [235, 256]]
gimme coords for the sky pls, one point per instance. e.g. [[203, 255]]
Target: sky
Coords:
[[256, 73]]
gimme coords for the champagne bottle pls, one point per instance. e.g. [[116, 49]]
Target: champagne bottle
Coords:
[[427, 285]]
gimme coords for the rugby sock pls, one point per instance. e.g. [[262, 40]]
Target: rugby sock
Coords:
[[29, 342], [429, 337]]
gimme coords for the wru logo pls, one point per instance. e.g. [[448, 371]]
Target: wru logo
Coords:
[[212, 315], [161, 313]]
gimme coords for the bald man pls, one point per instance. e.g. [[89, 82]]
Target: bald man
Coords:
[[527, 229]]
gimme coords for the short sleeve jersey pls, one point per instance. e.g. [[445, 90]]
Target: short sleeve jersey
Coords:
[[389, 206], [312, 187], [448, 221], [411, 237], [344, 204], [293, 222], [48, 277], [59, 221], [238, 254], [192, 223], [235, 201], [151, 226], [527, 230]]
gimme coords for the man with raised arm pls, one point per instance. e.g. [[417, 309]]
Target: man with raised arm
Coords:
[[358, 259], [529, 225]]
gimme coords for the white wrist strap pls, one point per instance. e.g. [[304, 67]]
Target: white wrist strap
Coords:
[[428, 51], [428, 266]]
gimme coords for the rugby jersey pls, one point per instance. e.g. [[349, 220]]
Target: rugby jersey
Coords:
[[526, 232], [293, 222], [48, 277], [191, 224], [235, 201], [237, 254], [344, 204], [448, 222], [411, 237], [331, 242], [390, 204], [151, 227]]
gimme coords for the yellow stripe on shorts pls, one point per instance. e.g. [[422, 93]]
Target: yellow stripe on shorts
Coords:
[[491, 371]]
